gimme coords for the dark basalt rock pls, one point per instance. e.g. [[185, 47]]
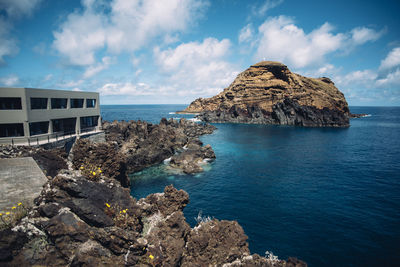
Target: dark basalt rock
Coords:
[[288, 112], [141, 144], [68, 228]]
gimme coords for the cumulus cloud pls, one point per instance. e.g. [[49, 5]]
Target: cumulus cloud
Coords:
[[280, 39], [10, 11], [196, 68], [124, 25], [382, 83], [10, 80], [392, 59]]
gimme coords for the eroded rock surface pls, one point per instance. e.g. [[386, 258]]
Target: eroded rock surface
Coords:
[[269, 93], [141, 144], [81, 222]]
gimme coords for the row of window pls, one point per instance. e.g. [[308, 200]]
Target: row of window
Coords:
[[42, 127], [41, 103]]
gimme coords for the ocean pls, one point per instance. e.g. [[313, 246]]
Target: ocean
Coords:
[[328, 196]]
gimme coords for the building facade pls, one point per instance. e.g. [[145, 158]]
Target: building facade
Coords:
[[26, 112]]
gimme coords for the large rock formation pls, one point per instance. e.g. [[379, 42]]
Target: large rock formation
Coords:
[[269, 93]]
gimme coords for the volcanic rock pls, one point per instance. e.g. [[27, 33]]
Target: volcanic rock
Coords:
[[269, 93]]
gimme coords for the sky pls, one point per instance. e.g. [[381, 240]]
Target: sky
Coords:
[[172, 52]]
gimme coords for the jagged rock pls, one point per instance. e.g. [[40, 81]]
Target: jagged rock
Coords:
[[74, 231], [143, 144], [102, 155], [192, 159], [268, 93], [215, 243]]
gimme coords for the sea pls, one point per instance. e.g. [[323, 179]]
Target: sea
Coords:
[[328, 196]]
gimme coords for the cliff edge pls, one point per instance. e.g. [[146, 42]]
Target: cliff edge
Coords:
[[269, 93]]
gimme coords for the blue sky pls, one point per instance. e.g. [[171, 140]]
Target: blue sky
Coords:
[[156, 51]]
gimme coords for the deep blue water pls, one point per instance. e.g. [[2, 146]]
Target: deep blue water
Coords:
[[328, 196]]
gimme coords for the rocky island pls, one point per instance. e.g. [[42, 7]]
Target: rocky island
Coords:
[[269, 93], [85, 215]]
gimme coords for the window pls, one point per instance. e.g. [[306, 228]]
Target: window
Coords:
[[10, 103], [38, 103], [90, 121], [76, 103], [90, 103], [41, 127], [11, 129], [64, 125], [59, 103]]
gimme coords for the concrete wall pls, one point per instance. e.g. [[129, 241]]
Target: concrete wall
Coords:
[[14, 115]]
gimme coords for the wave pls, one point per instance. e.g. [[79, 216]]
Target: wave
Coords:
[[170, 113]]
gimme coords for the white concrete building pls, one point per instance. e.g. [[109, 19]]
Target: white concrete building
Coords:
[[28, 112]]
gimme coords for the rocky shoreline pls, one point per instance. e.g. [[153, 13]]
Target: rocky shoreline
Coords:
[[85, 215]]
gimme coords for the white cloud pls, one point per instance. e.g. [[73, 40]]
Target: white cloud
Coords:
[[76, 89], [359, 77], [267, 5], [361, 35], [391, 60], [246, 34], [92, 70], [18, 8], [280, 39], [197, 68], [8, 45], [127, 25], [80, 36], [127, 89], [391, 79], [13, 10], [9, 80]]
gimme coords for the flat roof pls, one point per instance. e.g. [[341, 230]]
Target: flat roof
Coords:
[[55, 90]]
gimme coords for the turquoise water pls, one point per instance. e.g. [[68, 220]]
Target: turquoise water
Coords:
[[328, 196]]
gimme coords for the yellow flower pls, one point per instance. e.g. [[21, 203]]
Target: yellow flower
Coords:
[[13, 208], [7, 213], [108, 205], [81, 168], [124, 211], [1, 214], [19, 204], [99, 171], [94, 173], [151, 256]]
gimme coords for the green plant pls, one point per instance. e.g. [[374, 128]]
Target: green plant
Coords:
[[12, 216], [90, 171], [121, 217]]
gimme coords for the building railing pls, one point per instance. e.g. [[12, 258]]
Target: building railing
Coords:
[[45, 138]]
